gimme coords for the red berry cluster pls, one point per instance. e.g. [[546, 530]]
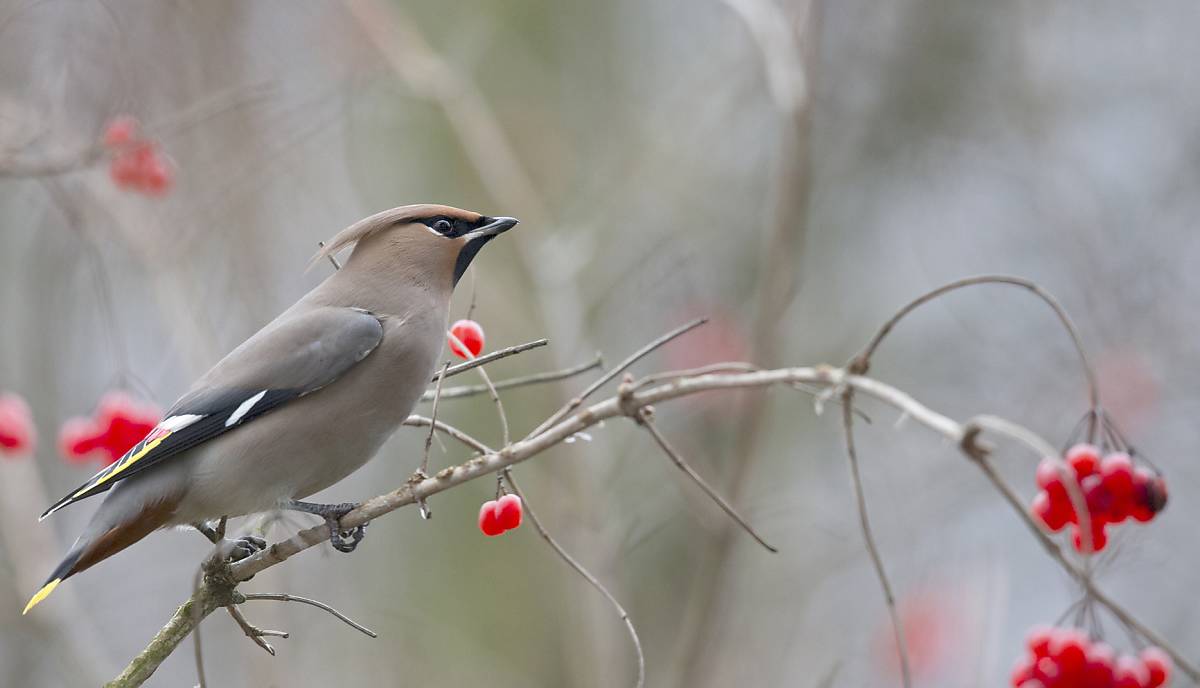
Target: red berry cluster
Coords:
[[1113, 488], [466, 340], [499, 515], [136, 162], [120, 422], [1067, 658], [17, 435]]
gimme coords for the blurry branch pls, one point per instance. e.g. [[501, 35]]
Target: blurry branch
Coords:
[[562, 553], [604, 379], [430, 76], [13, 165], [217, 588], [535, 379], [786, 35], [862, 362], [864, 522], [645, 418], [783, 59]]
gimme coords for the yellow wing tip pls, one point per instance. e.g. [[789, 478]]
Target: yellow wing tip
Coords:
[[41, 595]]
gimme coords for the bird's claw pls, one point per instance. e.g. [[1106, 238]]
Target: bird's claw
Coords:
[[244, 547], [333, 513], [337, 535]]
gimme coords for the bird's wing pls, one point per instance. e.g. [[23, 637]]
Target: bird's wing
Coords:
[[286, 360]]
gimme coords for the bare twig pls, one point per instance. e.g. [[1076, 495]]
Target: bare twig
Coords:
[[535, 379], [283, 597], [253, 632], [1065, 472], [422, 422], [562, 553], [493, 356], [633, 358], [645, 420], [861, 363], [487, 381], [426, 513], [864, 522]]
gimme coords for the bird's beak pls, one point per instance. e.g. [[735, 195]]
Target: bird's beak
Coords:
[[498, 225]]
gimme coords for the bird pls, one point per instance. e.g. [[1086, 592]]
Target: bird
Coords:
[[302, 403]]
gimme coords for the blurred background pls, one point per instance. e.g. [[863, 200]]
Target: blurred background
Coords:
[[795, 171]]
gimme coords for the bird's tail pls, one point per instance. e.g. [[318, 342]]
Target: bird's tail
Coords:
[[90, 549]]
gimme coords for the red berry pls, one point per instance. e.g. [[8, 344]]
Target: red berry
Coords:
[[156, 177], [1032, 683], [1130, 673], [1158, 665], [469, 335], [1047, 671], [1021, 673], [508, 511], [1038, 641], [1099, 537], [1084, 458], [1099, 499], [1055, 516], [120, 131], [78, 438], [17, 434], [1117, 470], [119, 424], [488, 522], [1098, 672], [1068, 648], [123, 169], [1047, 473], [1149, 494]]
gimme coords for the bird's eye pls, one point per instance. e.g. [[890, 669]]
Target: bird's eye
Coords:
[[442, 226]]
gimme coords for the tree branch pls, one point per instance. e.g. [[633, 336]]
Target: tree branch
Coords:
[[209, 596]]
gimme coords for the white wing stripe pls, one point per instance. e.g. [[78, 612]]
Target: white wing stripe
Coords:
[[178, 422], [244, 408]]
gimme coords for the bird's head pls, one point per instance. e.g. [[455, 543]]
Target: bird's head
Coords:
[[427, 243]]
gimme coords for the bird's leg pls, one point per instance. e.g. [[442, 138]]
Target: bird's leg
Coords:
[[333, 513], [238, 548]]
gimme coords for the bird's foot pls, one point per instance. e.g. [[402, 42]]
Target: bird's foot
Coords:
[[342, 540], [244, 547]]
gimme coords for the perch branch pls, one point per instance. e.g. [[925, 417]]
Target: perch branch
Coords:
[[492, 461]]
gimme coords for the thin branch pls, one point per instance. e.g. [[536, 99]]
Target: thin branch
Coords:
[[493, 356], [562, 553], [535, 379], [726, 367], [861, 363], [284, 597], [422, 422], [864, 522], [253, 632], [604, 379], [646, 421], [437, 394], [487, 381], [1065, 472]]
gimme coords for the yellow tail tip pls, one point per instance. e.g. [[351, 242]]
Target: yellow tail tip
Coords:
[[41, 595]]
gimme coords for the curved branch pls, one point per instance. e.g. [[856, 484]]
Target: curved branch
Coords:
[[861, 363]]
